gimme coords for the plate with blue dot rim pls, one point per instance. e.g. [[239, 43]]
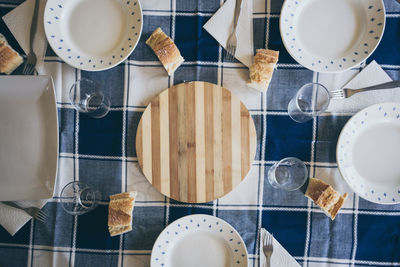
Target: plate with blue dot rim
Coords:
[[93, 35], [331, 36], [199, 240], [368, 152]]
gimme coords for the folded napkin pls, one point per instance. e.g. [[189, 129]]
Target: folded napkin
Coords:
[[280, 257], [371, 75], [19, 22], [220, 27], [12, 219]]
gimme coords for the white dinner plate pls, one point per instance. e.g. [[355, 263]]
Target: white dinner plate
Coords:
[[331, 36], [368, 153], [93, 35], [197, 241], [28, 137]]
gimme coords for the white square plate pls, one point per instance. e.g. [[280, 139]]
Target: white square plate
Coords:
[[28, 137]]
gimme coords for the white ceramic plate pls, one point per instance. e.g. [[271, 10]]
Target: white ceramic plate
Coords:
[[28, 137], [93, 34], [198, 241], [331, 36], [368, 153]]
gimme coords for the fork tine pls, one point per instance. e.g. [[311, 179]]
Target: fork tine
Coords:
[[24, 70], [227, 54], [269, 239], [228, 48], [42, 213], [39, 219], [233, 51], [27, 69], [337, 94], [230, 56], [30, 69], [41, 216]]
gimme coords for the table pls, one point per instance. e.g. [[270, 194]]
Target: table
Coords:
[[101, 152]]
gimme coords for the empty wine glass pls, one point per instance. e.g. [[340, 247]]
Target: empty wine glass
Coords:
[[311, 100], [289, 174], [78, 198], [88, 97]]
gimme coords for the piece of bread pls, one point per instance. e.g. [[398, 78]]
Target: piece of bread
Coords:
[[325, 197], [262, 69], [165, 50], [9, 58], [120, 213]]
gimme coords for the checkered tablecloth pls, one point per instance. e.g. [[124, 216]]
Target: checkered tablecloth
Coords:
[[101, 152]]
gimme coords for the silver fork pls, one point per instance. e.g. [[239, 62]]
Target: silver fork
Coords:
[[32, 211], [30, 63], [346, 92], [268, 248], [232, 40]]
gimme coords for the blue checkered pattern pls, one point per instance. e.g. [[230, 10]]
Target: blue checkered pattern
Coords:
[[101, 152]]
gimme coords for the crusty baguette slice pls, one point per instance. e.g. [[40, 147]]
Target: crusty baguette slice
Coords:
[[329, 200], [165, 50], [119, 230], [9, 58], [120, 213], [262, 69]]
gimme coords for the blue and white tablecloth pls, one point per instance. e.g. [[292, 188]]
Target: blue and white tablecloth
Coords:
[[101, 152]]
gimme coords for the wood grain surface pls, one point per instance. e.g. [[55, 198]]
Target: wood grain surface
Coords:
[[195, 142]]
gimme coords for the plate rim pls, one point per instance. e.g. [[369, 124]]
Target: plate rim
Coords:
[[53, 105], [52, 89], [338, 149], [355, 64], [196, 215], [106, 67]]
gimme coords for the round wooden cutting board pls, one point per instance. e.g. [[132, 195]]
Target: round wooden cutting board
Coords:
[[195, 142]]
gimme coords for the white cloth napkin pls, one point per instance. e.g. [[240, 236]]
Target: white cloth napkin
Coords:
[[19, 22], [371, 75], [220, 27], [280, 257], [12, 219]]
